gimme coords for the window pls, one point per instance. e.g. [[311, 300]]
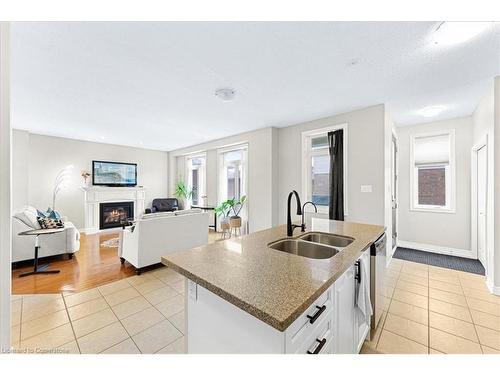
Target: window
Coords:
[[232, 176], [433, 172], [316, 167], [232, 172], [196, 177]]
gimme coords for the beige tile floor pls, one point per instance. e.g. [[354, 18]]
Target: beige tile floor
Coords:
[[140, 314], [428, 310], [436, 310]]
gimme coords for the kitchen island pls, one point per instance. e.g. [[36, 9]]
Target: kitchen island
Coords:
[[244, 297]]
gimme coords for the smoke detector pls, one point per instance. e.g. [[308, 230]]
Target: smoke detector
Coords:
[[225, 94]]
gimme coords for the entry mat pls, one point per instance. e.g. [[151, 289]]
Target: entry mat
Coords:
[[440, 260]]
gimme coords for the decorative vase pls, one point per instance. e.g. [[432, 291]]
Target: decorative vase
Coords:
[[224, 224], [235, 222]]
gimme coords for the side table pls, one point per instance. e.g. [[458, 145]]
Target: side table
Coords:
[[39, 232]]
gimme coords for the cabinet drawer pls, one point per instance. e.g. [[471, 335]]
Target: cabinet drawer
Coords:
[[310, 322], [320, 342]]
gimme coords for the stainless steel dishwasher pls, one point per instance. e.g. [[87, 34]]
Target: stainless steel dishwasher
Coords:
[[378, 255]]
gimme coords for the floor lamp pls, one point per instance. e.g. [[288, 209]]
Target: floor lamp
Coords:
[[62, 181]]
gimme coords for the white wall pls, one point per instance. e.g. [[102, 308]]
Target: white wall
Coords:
[[447, 230], [483, 127], [365, 162], [5, 189], [261, 169], [37, 159]]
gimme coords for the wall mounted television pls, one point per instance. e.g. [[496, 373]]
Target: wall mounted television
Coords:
[[110, 173]]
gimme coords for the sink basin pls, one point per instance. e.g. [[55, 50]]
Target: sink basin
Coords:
[[304, 248], [327, 239]]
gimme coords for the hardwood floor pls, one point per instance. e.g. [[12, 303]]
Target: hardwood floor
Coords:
[[93, 265]]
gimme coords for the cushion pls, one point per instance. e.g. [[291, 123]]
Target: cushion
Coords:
[[157, 214], [187, 212], [48, 223], [29, 216], [164, 204]]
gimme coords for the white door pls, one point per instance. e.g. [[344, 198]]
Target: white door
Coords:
[[481, 204]]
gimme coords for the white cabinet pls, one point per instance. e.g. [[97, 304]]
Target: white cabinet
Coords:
[[362, 325], [350, 326], [217, 326], [332, 324], [344, 312]]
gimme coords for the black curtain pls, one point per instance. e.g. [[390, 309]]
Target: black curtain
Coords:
[[336, 147]]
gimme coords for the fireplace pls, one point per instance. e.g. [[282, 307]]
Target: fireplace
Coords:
[[112, 214]]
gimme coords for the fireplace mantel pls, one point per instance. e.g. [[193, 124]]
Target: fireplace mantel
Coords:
[[94, 196]]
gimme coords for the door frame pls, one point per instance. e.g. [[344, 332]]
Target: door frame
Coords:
[[395, 165], [482, 143], [5, 188]]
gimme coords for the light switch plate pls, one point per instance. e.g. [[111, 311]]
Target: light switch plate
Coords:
[[366, 188], [192, 290]]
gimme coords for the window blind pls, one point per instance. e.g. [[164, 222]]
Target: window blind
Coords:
[[432, 150]]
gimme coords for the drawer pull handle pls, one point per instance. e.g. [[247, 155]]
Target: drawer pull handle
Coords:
[[319, 347], [313, 318]]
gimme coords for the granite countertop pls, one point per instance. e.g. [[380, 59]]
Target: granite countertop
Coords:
[[274, 286]]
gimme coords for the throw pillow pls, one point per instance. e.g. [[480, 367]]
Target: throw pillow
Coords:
[[53, 214], [29, 216], [48, 223], [42, 213]]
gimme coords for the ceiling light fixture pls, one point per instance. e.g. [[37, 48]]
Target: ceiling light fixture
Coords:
[[431, 111], [226, 94], [448, 33]]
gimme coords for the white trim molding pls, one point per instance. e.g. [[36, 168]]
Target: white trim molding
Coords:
[[492, 288], [306, 152], [475, 149], [450, 207], [463, 253], [5, 189]]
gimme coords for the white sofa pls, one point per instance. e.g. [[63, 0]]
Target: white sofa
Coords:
[[23, 247], [158, 234]]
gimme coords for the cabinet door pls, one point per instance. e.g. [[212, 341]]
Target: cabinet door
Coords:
[[362, 327], [344, 313]]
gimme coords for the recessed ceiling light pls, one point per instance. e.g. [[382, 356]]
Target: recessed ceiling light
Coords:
[[353, 62], [431, 111], [448, 33], [225, 94]]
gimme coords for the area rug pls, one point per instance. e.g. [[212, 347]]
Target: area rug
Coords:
[[114, 242], [440, 260]]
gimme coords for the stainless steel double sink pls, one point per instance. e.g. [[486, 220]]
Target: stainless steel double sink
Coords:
[[315, 245]]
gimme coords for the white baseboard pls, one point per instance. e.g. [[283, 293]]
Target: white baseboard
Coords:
[[492, 288], [437, 249]]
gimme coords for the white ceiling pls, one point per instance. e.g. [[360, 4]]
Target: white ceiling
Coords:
[[152, 85]]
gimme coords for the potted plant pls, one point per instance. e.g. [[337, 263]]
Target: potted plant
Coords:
[[183, 193], [236, 206], [222, 210]]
